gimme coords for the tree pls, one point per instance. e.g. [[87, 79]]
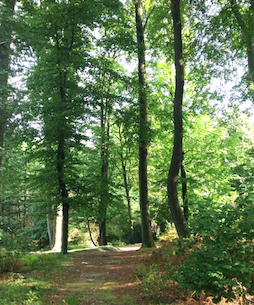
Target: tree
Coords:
[[147, 237], [177, 155], [7, 10], [61, 52]]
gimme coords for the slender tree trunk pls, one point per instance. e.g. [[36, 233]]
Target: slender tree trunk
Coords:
[[105, 113], [176, 159], [127, 192], [5, 40], [126, 185], [51, 225], [63, 193], [90, 233], [147, 236], [184, 191]]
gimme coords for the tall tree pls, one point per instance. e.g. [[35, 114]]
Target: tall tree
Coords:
[[59, 99], [6, 13], [177, 155], [147, 237], [105, 108]]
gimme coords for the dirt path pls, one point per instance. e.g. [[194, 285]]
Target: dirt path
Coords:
[[105, 277]]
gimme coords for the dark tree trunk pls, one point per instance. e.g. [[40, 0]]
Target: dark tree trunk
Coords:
[[90, 233], [127, 187], [63, 193], [176, 160], [102, 231], [147, 236], [104, 200], [184, 191], [5, 40]]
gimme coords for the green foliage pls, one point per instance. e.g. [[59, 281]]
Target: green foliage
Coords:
[[219, 256], [15, 292], [13, 243], [34, 259], [9, 262], [11, 250], [152, 279]]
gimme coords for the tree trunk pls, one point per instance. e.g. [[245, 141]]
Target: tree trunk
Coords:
[[5, 40], [51, 225], [184, 191], [58, 229], [104, 200], [126, 186], [63, 193], [177, 214], [147, 237], [90, 233]]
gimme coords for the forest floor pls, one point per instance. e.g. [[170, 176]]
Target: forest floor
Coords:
[[101, 277], [90, 278]]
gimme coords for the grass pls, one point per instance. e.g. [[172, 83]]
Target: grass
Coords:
[[45, 278], [15, 289], [32, 281]]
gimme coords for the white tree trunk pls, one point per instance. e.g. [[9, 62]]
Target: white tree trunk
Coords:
[[58, 233]]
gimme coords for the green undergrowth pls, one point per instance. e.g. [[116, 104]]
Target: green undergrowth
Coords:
[[36, 282], [216, 261], [32, 281], [16, 289]]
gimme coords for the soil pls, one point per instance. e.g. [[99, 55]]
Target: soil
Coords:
[[104, 277]]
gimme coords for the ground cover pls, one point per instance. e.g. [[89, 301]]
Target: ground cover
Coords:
[[82, 277], [109, 276]]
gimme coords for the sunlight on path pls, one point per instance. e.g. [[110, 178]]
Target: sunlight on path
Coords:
[[133, 247], [130, 247]]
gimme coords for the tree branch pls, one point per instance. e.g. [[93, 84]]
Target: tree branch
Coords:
[[144, 27]]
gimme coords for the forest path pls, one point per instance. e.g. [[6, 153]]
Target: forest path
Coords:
[[98, 277]]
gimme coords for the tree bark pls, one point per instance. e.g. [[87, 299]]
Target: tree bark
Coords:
[[51, 225], [58, 231], [184, 191], [127, 186], [105, 129], [90, 232], [63, 193], [5, 40], [176, 160], [147, 237]]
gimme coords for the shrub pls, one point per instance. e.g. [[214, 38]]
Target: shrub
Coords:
[[218, 258], [34, 259]]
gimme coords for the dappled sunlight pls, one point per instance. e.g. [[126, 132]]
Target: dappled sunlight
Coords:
[[122, 285]]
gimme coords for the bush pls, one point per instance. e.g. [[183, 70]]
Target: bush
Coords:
[[10, 263], [34, 259], [10, 253], [152, 279], [218, 258]]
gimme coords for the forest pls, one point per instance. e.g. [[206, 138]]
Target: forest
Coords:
[[127, 122]]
